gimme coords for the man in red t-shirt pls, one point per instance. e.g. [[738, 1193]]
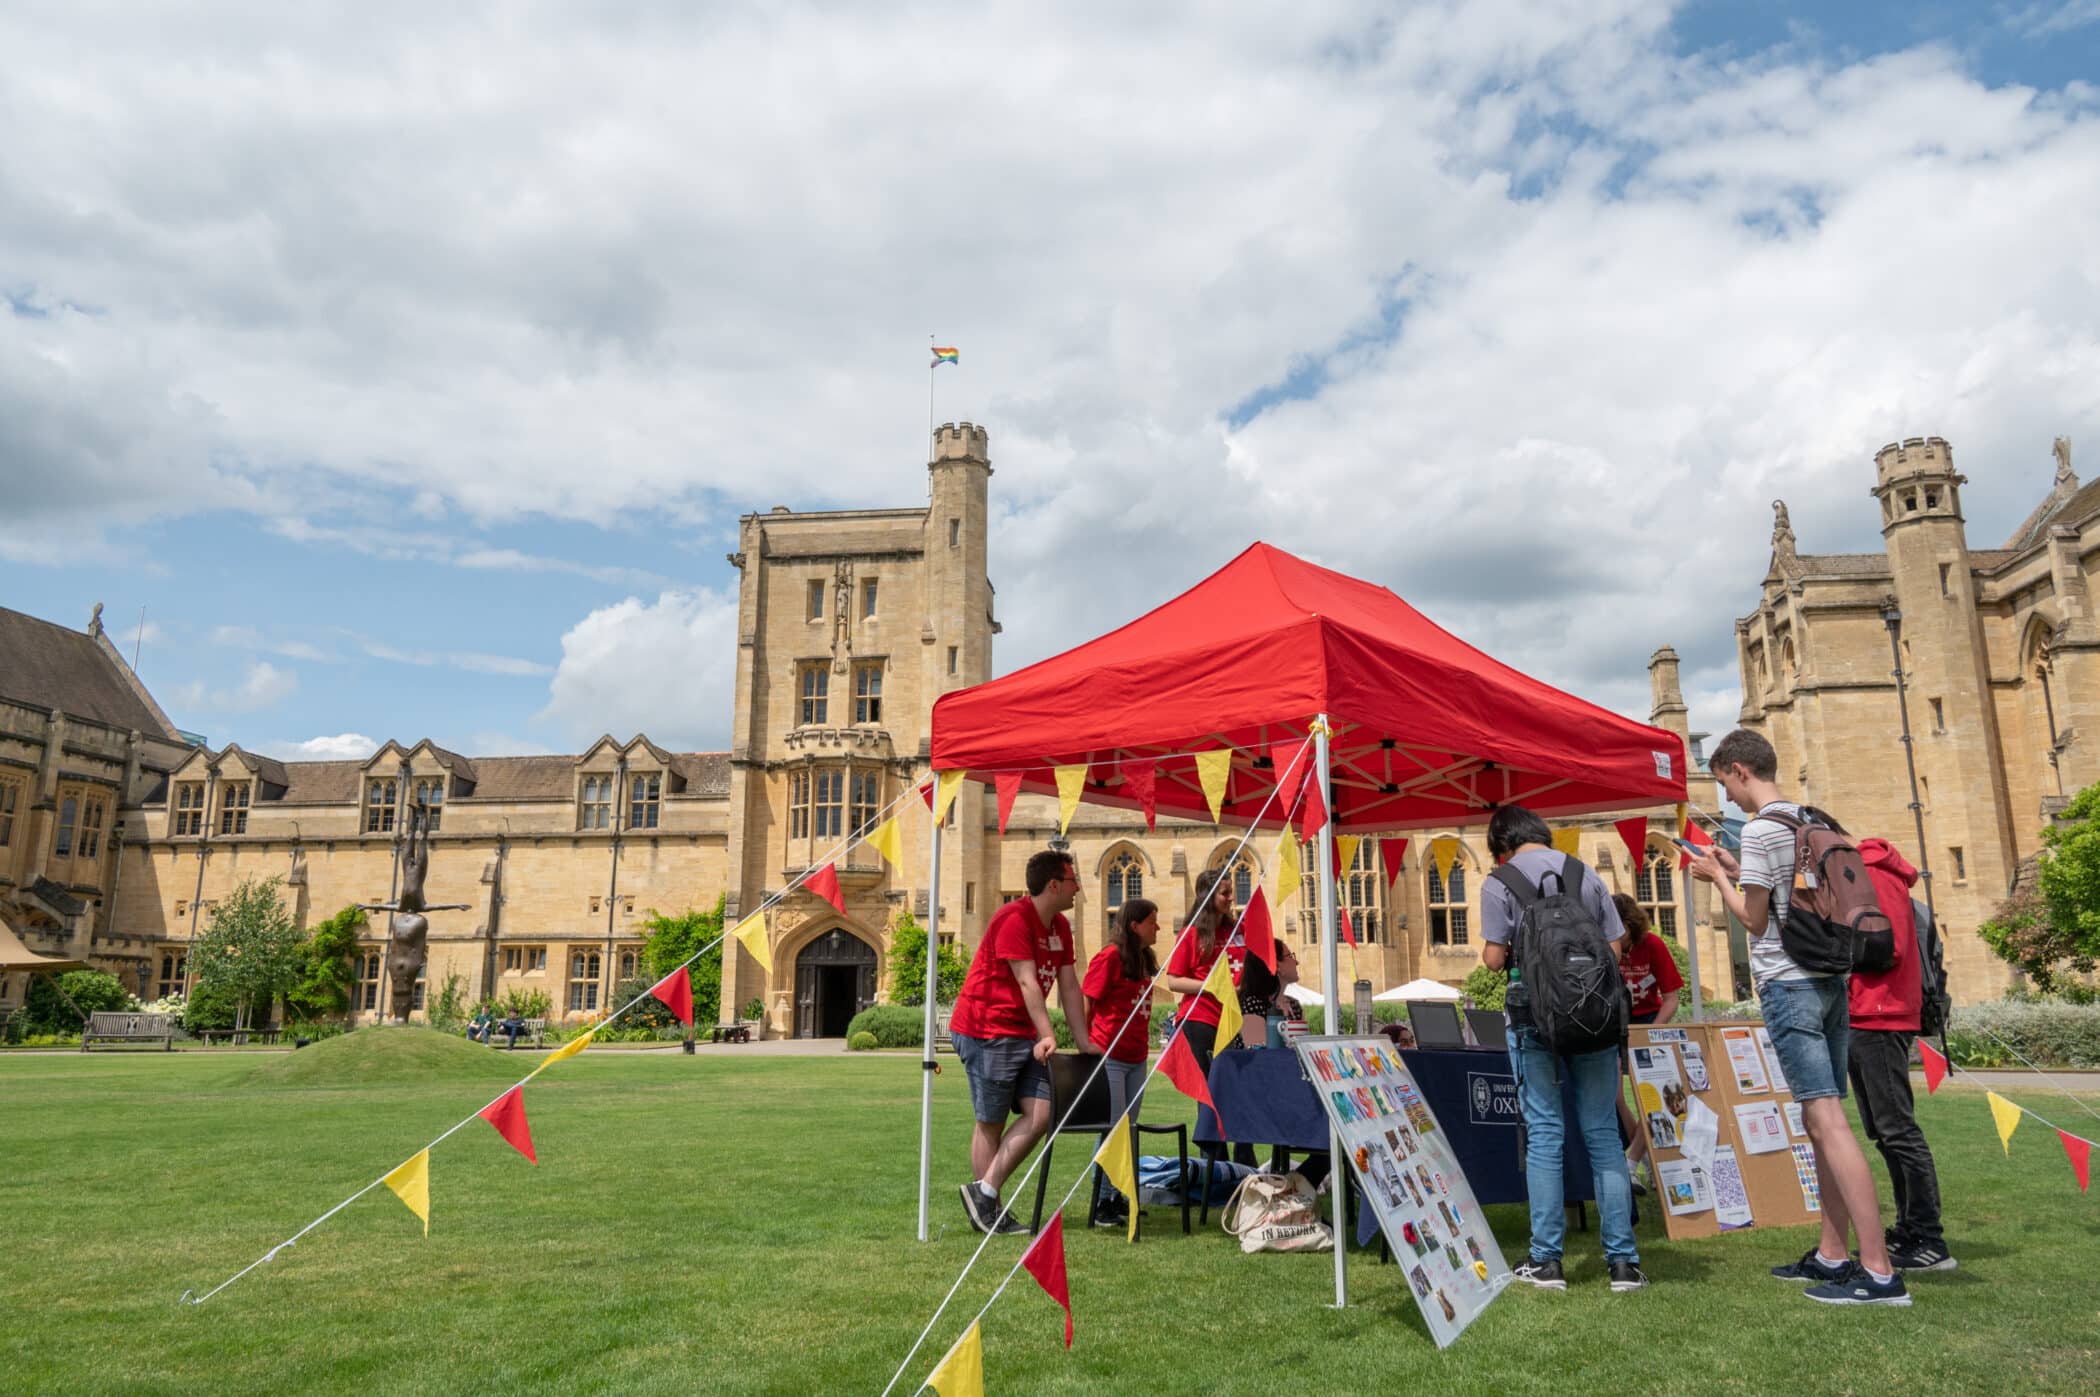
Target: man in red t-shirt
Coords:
[[1002, 1032]]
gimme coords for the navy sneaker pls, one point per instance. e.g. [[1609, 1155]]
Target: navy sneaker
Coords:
[[1859, 1288], [1812, 1267]]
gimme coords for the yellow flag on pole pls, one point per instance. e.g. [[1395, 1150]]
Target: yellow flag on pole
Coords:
[[1071, 780], [1288, 879], [1442, 850], [1345, 846], [961, 1373], [752, 933], [1568, 841], [2007, 1115], [887, 840], [1114, 1160], [1214, 769], [1220, 986], [411, 1184], [945, 785]]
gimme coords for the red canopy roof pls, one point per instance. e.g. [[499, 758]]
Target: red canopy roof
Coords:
[[1427, 730]]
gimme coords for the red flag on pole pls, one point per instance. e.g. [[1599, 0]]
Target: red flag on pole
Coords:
[[1348, 931], [1143, 780], [507, 1114], [1693, 835], [1635, 832], [1179, 1067], [676, 991], [1008, 785], [1045, 1260], [1312, 818], [1257, 932], [2081, 1151], [1390, 852], [1935, 1066], [825, 884]]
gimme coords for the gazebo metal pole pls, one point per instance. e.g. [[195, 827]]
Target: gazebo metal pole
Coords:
[[1691, 942], [933, 951], [1330, 980]]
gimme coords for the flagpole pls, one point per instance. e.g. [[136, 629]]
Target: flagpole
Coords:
[[932, 362]]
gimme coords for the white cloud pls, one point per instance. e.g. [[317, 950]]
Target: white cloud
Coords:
[[666, 668], [261, 685], [343, 746], [473, 661], [249, 638]]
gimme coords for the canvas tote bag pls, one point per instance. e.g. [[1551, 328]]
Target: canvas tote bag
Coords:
[[1276, 1212]]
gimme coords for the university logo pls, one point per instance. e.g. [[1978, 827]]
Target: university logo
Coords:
[[1493, 1100]]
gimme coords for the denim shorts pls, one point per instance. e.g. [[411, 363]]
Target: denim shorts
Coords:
[[1810, 1024], [1003, 1073]]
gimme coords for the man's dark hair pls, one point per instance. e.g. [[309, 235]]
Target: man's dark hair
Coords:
[[1044, 869], [1511, 827], [1746, 749]]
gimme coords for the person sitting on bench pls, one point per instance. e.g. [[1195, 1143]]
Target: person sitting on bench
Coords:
[[513, 1025]]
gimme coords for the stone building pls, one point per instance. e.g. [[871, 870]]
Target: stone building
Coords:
[[2001, 661], [850, 624]]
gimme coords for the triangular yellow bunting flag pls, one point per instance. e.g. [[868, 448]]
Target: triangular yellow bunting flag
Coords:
[[1071, 780], [945, 785], [1214, 769], [2007, 1115], [1219, 984], [411, 1184], [1288, 879], [961, 1373], [887, 840], [1113, 1159], [1442, 850], [1345, 846], [752, 933], [569, 1049], [1568, 841]]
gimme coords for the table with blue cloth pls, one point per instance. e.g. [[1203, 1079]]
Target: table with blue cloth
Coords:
[[1266, 1100]]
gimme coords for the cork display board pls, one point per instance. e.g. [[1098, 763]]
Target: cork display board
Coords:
[[1726, 1143]]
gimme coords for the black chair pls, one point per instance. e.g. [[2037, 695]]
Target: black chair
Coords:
[[1068, 1075]]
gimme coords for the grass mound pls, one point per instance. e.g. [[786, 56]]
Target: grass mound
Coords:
[[367, 1056]]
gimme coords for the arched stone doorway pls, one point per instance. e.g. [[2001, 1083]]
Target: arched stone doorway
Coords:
[[834, 980]]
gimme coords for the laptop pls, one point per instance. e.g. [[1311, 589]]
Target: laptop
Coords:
[[1490, 1029], [1435, 1023]]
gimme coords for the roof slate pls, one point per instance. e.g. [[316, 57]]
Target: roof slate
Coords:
[[57, 667]]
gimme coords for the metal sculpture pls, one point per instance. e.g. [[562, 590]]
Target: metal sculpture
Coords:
[[408, 931]]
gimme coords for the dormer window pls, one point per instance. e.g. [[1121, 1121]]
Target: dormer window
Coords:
[[233, 807], [189, 809], [430, 791], [645, 799], [381, 795], [595, 810]]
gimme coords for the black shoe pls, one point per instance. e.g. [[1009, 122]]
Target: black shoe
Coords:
[[978, 1207], [1921, 1256], [1811, 1267], [1627, 1276], [1543, 1274], [1856, 1287], [1116, 1215], [1009, 1226]]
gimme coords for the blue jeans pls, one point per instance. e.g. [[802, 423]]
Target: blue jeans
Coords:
[[1596, 1078], [1810, 1024]]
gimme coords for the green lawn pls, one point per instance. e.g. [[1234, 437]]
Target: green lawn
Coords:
[[744, 1224]]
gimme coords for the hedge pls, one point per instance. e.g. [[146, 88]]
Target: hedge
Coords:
[[890, 1025], [2046, 1033]]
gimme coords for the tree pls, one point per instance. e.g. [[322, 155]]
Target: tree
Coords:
[[1486, 988], [2055, 932], [328, 966], [672, 942], [45, 1010], [250, 950], [908, 965]]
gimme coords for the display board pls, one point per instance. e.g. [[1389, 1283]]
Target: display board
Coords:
[[1725, 1136], [1406, 1172]]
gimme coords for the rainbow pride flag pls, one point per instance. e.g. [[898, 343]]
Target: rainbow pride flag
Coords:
[[946, 356]]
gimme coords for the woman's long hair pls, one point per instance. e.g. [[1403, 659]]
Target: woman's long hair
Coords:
[[1633, 915], [1207, 920], [1138, 961]]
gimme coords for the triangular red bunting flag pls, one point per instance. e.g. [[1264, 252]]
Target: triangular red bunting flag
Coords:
[[825, 884], [1693, 835], [1312, 818], [1289, 783], [1935, 1066], [676, 991], [1635, 832], [1178, 1066], [1143, 780], [926, 794], [1256, 931], [1348, 931], [2081, 1152], [1045, 1260], [1390, 852], [507, 1114], [1008, 785]]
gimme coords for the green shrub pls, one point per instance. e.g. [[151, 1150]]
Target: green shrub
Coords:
[[448, 1012], [674, 941], [1316, 1016], [890, 1025], [908, 966], [526, 1004], [756, 1009], [1487, 988], [2047, 1034], [45, 1010], [862, 1042]]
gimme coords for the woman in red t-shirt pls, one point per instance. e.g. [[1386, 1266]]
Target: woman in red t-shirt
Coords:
[[1207, 936], [1118, 990], [1652, 981]]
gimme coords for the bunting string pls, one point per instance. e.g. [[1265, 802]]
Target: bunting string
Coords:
[[1019, 1187], [401, 1171], [2006, 1114]]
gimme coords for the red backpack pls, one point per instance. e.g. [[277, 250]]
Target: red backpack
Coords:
[[1834, 924]]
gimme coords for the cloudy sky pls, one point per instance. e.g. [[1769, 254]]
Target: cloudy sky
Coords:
[[410, 368]]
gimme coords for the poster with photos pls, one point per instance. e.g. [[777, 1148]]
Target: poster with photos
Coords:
[[1407, 1174]]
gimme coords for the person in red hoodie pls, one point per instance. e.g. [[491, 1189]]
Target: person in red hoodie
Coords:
[[1884, 1026]]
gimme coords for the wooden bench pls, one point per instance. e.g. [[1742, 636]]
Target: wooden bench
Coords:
[[104, 1026], [238, 1036], [943, 1041], [535, 1029]]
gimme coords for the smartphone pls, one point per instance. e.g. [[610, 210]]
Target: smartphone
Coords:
[[1695, 850]]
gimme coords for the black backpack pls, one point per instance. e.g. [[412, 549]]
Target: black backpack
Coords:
[[1571, 979], [1935, 1005]]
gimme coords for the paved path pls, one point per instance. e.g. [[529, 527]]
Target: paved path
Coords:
[[2058, 1077]]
